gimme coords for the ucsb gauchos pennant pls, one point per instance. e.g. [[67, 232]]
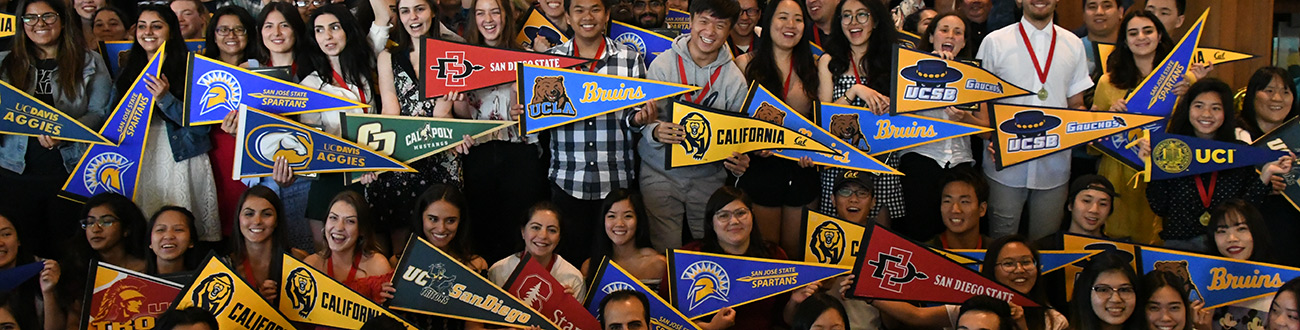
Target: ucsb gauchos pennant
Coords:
[[1220, 281], [429, 281], [891, 267], [1025, 133], [554, 97], [907, 39], [452, 66], [646, 42], [26, 115], [1175, 156], [762, 105], [536, 25], [1050, 261], [533, 284], [234, 303], [264, 137], [8, 24], [217, 88], [830, 240], [702, 283], [124, 299], [612, 278], [882, 134], [712, 136], [1281, 139], [923, 82], [307, 295]]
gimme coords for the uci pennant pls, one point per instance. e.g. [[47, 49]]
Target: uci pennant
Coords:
[[453, 66], [534, 284], [1025, 133], [264, 137], [538, 25], [26, 115], [555, 97], [712, 136], [924, 81], [1175, 156], [217, 88], [646, 42], [1219, 281], [309, 296], [878, 135], [124, 299], [612, 278], [762, 105], [830, 240], [234, 303], [702, 283]]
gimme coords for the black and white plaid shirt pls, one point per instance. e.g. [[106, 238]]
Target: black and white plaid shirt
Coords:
[[591, 157]]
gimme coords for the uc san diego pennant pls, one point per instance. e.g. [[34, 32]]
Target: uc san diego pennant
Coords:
[[554, 97], [646, 42], [1282, 139], [533, 284], [307, 295], [712, 136], [923, 82], [830, 240], [26, 115], [234, 303], [264, 137], [538, 25], [217, 88], [1175, 156], [1025, 133], [612, 278], [761, 104], [1050, 261], [882, 134], [1220, 281], [702, 283], [124, 299], [452, 66]]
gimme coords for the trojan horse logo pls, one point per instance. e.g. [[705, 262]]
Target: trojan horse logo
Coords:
[[104, 172], [301, 287], [223, 91], [828, 243], [273, 141], [697, 134], [708, 281], [213, 293]]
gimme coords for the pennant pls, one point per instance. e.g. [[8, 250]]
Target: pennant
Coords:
[[196, 45], [265, 137], [817, 50], [14, 277], [611, 277], [1281, 139], [1175, 156], [1203, 55], [217, 88], [973, 264], [538, 24], [1126, 251], [408, 139], [1219, 281], [8, 25], [108, 168], [889, 133], [1103, 51], [1025, 133], [830, 240], [124, 299], [429, 281], [559, 96], [454, 66], [921, 83], [707, 282], [26, 115], [115, 54], [648, 43], [533, 284], [712, 136], [891, 267], [762, 105], [310, 296], [234, 303], [908, 40], [1049, 261], [677, 19]]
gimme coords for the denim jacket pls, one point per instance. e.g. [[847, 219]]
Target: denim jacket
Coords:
[[90, 108], [186, 142]]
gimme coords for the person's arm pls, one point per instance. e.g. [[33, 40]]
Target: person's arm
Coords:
[[825, 89], [1076, 101], [100, 92], [388, 103], [55, 316]]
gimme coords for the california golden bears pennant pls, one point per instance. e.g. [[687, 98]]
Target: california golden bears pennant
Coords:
[[555, 97], [908, 40], [1220, 281], [1282, 139], [883, 134], [1126, 251], [830, 240], [679, 20], [8, 25], [712, 136], [124, 299], [1175, 156], [453, 66], [309, 296], [217, 88], [234, 303], [26, 115], [1025, 133], [1049, 260], [702, 283], [408, 138], [648, 43], [891, 267], [924, 81], [533, 284], [264, 137], [428, 281], [537, 24], [761, 104], [611, 277], [1203, 55]]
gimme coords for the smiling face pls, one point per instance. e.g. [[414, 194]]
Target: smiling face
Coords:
[[256, 220], [1206, 114], [787, 24], [624, 314], [620, 223], [487, 16], [192, 21], [86, 8], [588, 18], [949, 35], [8, 243], [341, 233], [853, 202], [1089, 211], [708, 33], [822, 11], [1273, 102], [1117, 304], [1283, 315], [551, 8], [416, 16], [976, 10], [151, 31], [649, 14], [1040, 10], [1141, 36], [109, 27], [1016, 267], [733, 224], [1165, 310], [235, 38], [960, 207], [541, 234], [856, 22], [441, 220], [1167, 11], [277, 34], [1233, 238], [749, 16], [42, 33], [103, 238], [170, 236], [1101, 17]]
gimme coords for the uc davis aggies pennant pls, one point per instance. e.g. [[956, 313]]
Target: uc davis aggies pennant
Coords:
[[264, 137], [1220, 281], [712, 136], [26, 115], [923, 81], [217, 88], [611, 278], [309, 296], [452, 66], [702, 283], [534, 285], [116, 289], [882, 134], [234, 303], [1175, 156], [830, 240], [761, 104], [1025, 133], [554, 97], [891, 267]]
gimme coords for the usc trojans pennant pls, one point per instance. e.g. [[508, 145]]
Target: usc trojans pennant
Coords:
[[1025, 133], [712, 136], [448, 66], [611, 278], [830, 240], [921, 82], [124, 299], [234, 303], [534, 285], [761, 104], [307, 295], [702, 283]]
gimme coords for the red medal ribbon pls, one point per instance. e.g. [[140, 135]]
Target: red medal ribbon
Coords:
[[339, 80], [599, 52], [1041, 70], [1200, 188], [785, 91], [681, 70]]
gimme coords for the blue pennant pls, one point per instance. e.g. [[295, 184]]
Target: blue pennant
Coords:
[[613, 278], [761, 104], [217, 88]]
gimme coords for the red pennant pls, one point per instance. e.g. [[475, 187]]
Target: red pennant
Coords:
[[535, 286], [452, 66]]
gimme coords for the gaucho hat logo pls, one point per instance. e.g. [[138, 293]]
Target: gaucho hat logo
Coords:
[[931, 72]]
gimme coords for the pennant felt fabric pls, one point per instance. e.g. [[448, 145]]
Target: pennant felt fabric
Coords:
[[217, 88], [115, 53], [234, 303], [891, 267], [265, 137], [124, 299], [761, 104], [1203, 55], [646, 42], [8, 25], [921, 82], [1103, 51], [881, 134], [704, 282], [817, 50], [1025, 133], [196, 45], [908, 40], [309, 296], [712, 136], [13, 277], [1050, 260], [555, 97], [1175, 156], [1281, 139], [26, 115], [533, 284], [1220, 281], [429, 281], [408, 139], [830, 240], [453, 66], [677, 19], [1126, 251], [538, 24], [611, 277]]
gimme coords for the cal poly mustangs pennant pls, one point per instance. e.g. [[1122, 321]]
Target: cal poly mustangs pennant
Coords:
[[124, 299], [1282, 138], [891, 267], [26, 115], [428, 281], [13, 277], [108, 168], [1124, 250], [217, 88], [453, 66], [555, 97], [1220, 281], [264, 137], [309, 296], [646, 42], [881, 134], [533, 284], [678, 19], [611, 277], [921, 82], [830, 240], [537, 24], [1028, 132], [408, 139], [761, 104], [712, 136], [8, 25], [1050, 261], [235, 304], [1175, 156], [702, 283]]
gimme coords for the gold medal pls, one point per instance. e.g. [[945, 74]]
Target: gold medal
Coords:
[[1205, 218], [1042, 94]]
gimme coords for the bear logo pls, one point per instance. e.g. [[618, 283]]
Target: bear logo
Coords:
[[301, 289], [846, 127], [769, 113], [549, 97], [697, 134], [828, 243], [1179, 268], [213, 293]]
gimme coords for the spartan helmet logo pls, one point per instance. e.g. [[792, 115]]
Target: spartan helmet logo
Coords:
[[223, 91], [213, 293], [301, 287], [698, 133], [105, 172], [708, 281], [828, 243]]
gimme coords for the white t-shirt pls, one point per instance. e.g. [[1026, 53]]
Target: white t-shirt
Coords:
[[563, 271]]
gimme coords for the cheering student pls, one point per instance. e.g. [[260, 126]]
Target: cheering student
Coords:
[[985, 313], [112, 24], [171, 239], [677, 195], [821, 15], [114, 232], [26, 302], [919, 22], [852, 200], [625, 309], [963, 201], [742, 36], [190, 318], [649, 14], [820, 311], [1282, 315], [441, 221], [259, 245], [626, 241], [1270, 100], [1237, 231], [353, 255], [1090, 206], [85, 10], [192, 16], [1101, 20], [1105, 295], [541, 233], [229, 41], [557, 12], [1163, 297]]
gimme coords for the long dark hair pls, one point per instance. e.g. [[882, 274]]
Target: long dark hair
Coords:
[[459, 247], [403, 38], [757, 246], [279, 238], [188, 260], [71, 57], [291, 16], [928, 46], [368, 242], [129, 217], [1259, 81], [357, 60], [879, 44], [174, 64], [603, 247], [762, 66], [1080, 310], [1033, 315], [1292, 286], [807, 312], [1180, 121], [1251, 217], [508, 23], [1123, 70], [253, 42], [1158, 279]]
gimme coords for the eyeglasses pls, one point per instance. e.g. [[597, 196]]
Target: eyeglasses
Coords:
[[643, 4], [846, 192], [861, 16], [1011, 265], [103, 222], [751, 12], [727, 215], [225, 31], [1107, 291], [154, 2], [48, 18], [314, 3]]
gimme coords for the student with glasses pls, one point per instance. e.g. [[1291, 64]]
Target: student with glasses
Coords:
[[1105, 295], [115, 233], [650, 14], [743, 33], [228, 41]]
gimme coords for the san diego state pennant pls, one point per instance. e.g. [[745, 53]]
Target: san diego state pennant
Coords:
[[234, 303], [453, 66], [924, 81], [1025, 133], [712, 136]]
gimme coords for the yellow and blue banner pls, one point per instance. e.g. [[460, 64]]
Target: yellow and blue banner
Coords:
[[309, 296], [554, 97], [1024, 133], [611, 277], [8, 25], [216, 89], [455, 66], [26, 115], [830, 240], [1049, 261], [1203, 55], [1175, 156], [1219, 281], [234, 303], [115, 52], [761, 104], [124, 299], [817, 50], [921, 82], [538, 24], [646, 42], [908, 40], [533, 283], [712, 136], [888, 133], [264, 137], [1126, 251], [1281, 139], [702, 283], [678, 19]]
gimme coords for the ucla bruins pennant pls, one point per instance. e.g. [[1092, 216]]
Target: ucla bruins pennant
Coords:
[[646, 42], [538, 25], [702, 283], [1220, 281], [264, 137], [234, 303], [533, 283], [924, 81], [1049, 261], [1175, 156], [677, 19], [428, 281], [217, 88], [555, 97], [1025, 133], [408, 139], [115, 54], [761, 104], [309, 296], [1281, 139], [448, 66], [882, 134], [611, 277], [830, 240], [1126, 251], [26, 115], [890, 267], [116, 169], [908, 40], [124, 299], [8, 25], [712, 136]]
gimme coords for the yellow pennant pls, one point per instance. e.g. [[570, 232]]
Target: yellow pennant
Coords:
[[713, 136], [8, 24], [309, 296], [1126, 251], [539, 25], [1202, 55], [1023, 133], [830, 240], [923, 82], [235, 304]]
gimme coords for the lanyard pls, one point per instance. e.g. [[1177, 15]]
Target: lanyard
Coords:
[[1205, 192], [857, 79], [681, 70], [785, 91], [600, 52], [1040, 69], [339, 80]]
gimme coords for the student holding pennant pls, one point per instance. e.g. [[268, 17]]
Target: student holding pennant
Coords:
[[442, 221], [1266, 108], [1237, 231]]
